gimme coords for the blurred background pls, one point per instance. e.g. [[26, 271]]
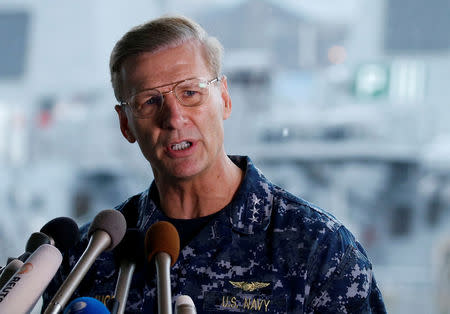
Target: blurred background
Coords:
[[344, 103]]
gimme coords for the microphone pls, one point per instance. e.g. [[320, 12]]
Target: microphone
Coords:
[[63, 232], [163, 243], [9, 271], [86, 305], [105, 232], [129, 252], [22, 291], [184, 305], [34, 241]]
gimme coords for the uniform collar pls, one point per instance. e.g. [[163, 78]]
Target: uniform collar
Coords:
[[248, 212]]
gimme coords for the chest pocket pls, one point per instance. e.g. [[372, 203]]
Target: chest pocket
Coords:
[[246, 293], [244, 298]]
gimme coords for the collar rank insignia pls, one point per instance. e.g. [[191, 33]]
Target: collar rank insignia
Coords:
[[249, 286]]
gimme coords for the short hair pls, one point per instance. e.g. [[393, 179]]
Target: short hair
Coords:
[[155, 35]]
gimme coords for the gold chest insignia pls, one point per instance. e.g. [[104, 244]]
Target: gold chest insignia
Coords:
[[249, 286]]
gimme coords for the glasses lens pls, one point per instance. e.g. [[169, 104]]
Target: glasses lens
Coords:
[[147, 103], [192, 92]]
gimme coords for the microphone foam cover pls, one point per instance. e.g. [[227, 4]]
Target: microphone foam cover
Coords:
[[64, 231], [184, 305], [86, 305], [36, 240], [184, 300], [162, 236], [112, 222], [131, 247]]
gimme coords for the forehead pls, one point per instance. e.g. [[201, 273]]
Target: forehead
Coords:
[[172, 64]]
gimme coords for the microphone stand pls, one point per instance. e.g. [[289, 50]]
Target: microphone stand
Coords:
[[163, 284]]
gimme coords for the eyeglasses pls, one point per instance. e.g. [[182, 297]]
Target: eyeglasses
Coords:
[[189, 93]]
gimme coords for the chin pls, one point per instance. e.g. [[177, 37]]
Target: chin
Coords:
[[186, 174], [185, 170]]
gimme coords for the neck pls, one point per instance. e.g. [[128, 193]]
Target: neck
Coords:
[[203, 195]]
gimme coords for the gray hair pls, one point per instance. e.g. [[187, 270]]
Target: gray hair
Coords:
[[159, 34]]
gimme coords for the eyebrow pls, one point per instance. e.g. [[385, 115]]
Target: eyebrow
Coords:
[[173, 83]]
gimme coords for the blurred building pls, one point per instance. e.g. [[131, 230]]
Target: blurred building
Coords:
[[348, 111]]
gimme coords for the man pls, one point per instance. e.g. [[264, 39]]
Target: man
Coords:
[[247, 245]]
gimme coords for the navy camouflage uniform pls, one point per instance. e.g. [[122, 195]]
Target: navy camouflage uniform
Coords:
[[266, 251]]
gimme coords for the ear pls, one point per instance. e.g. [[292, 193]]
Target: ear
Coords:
[[225, 98], [124, 126]]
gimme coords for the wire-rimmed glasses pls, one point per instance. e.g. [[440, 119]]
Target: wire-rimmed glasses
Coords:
[[189, 93]]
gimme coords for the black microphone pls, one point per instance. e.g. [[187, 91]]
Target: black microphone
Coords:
[[34, 241], [9, 271], [129, 252], [63, 232], [162, 243], [105, 232]]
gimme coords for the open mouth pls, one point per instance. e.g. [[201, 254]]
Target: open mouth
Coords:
[[181, 146]]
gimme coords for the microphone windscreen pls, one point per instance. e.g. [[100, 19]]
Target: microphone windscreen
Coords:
[[184, 305], [64, 231], [113, 223], [131, 247], [162, 237], [86, 305], [36, 240]]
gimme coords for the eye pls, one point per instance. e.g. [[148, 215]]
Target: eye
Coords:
[[153, 100], [189, 93]]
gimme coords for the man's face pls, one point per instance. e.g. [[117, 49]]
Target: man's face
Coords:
[[201, 127]]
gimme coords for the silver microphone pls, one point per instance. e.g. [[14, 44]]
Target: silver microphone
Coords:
[[106, 231]]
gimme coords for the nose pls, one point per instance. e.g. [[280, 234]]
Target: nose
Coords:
[[172, 114]]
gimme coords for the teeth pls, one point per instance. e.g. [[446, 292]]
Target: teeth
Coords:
[[181, 146]]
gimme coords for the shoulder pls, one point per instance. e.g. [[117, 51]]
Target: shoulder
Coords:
[[340, 275], [262, 204], [311, 221]]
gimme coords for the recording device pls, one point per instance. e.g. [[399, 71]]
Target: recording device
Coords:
[[61, 232], [162, 244], [105, 232], [9, 271], [86, 305], [129, 252], [34, 241], [22, 291], [184, 305]]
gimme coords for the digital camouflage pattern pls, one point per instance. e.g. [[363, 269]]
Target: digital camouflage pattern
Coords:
[[267, 251]]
